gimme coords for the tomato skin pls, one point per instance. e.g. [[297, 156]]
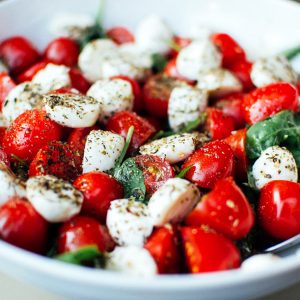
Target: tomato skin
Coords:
[[164, 248], [83, 231], [137, 92], [28, 74], [78, 81], [180, 42], [231, 51], [156, 171], [211, 163], [6, 85], [31, 131], [217, 124], [237, 143], [22, 226], [224, 209], [121, 122], [267, 101], [62, 51], [120, 35], [99, 189], [18, 54], [58, 159], [207, 251], [279, 209]]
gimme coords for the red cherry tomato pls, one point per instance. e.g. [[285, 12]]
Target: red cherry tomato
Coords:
[[164, 248], [156, 123], [6, 85], [231, 106], [58, 159], [28, 74], [99, 189], [180, 42], [138, 99], [279, 209], [209, 164], [171, 71], [225, 209], [22, 226], [267, 101], [121, 122], [31, 131], [237, 143], [156, 171], [120, 35], [207, 251], [217, 124], [62, 51], [83, 231], [157, 92], [18, 54], [231, 51], [65, 90], [78, 81]]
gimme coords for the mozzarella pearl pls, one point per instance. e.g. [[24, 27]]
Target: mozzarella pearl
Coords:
[[173, 201], [259, 262], [174, 148], [273, 69], [185, 105], [102, 149], [153, 35], [198, 57], [75, 111], [131, 260], [53, 198], [23, 97], [274, 163], [128, 222], [115, 95]]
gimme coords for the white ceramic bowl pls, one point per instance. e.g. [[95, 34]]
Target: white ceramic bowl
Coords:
[[263, 27]]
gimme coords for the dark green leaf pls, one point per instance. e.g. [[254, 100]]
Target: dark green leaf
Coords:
[[182, 173], [292, 52], [159, 62]]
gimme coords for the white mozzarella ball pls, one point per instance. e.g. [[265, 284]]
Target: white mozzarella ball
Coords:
[[53, 198], [174, 148], [93, 55], [23, 97], [185, 105], [259, 262], [75, 111], [153, 35], [219, 82], [274, 163], [115, 95], [173, 201], [102, 149], [198, 57], [131, 260], [272, 69], [52, 77], [9, 185], [128, 222]]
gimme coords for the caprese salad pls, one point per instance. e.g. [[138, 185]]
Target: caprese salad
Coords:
[[147, 153]]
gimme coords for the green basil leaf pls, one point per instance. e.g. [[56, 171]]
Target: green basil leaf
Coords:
[[292, 52], [182, 173], [159, 62]]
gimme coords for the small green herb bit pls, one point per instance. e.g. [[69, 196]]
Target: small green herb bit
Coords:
[[182, 173], [292, 52], [159, 62]]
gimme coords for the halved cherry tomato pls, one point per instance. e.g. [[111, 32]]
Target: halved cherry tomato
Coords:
[[137, 92], [99, 189], [163, 245], [156, 171], [231, 51], [225, 209], [6, 85], [171, 71], [22, 226], [28, 74], [157, 92], [120, 35], [83, 231], [180, 42], [62, 51], [18, 54], [209, 164], [279, 209], [217, 124], [121, 122], [58, 159], [237, 143], [268, 100], [78, 81], [31, 131], [207, 251]]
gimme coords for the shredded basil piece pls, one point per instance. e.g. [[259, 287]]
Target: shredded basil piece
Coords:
[[159, 62], [182, 173], [291, 53]]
